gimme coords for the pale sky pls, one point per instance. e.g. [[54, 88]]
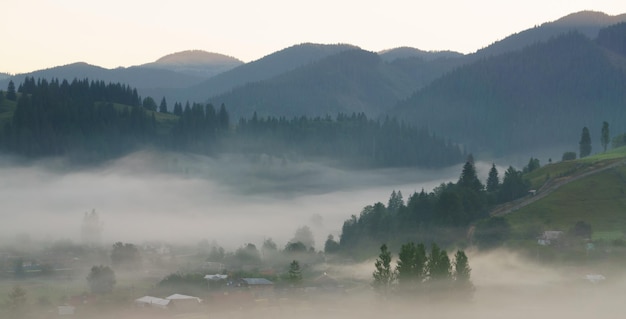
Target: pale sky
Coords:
[[38, 34]]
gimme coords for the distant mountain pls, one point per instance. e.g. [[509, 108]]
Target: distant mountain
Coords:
[[265, 68], [347, 82], [196, 63], [408, 52], [588, 23], [141, 78], [4, 76], [540, 96], [134, 76]]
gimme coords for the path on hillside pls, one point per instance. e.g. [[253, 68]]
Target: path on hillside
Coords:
[[547, 188]]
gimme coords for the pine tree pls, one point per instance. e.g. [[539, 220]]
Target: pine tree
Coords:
[[468, 178], [462, 283], [411, 266], [395, 201], [493, 181], [178, 109], [585, 143], [438, 264], [11, 95], [294, 276], [163, 106], [223, 118], [605, 137], [383, 276]]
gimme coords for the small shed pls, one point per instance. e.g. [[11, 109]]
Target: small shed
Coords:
[[149, 301], [184, 302], [260, 287], [257, 283]]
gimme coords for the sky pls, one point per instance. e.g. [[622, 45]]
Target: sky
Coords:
[[39, 34]]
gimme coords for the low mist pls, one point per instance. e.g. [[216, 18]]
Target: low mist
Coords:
[[171, 197]]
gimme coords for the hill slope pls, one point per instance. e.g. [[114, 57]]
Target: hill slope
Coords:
[[265, 68], [195, 63], [541, 96], [597, 199], [350, 81], [587, 23], [139, 77], [407, 52]]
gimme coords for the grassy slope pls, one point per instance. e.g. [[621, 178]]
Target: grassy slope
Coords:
[[165, 121], [599, 199]]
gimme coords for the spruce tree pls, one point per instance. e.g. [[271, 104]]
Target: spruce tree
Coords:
[[493, 181], [411, 266], [585, 143], [163, 106], [294, 276], [463, 286], [469, 179], [605, 138], [438, 264], [383, 276], [11, 94]]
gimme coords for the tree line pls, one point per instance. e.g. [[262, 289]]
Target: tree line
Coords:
[[354, 138], [420, 273], [59, 118], [91, 120], [442, 214]]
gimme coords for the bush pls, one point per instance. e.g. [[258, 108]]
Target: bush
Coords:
[[569, 156]]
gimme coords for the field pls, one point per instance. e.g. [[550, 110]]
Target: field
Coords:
[[598, 199]]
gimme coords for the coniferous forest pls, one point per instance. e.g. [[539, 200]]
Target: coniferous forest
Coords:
[[90, 121]]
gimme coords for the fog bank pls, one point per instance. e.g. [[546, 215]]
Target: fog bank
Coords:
[[176, 197]]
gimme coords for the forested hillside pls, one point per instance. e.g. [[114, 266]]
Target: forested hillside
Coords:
[[92, 121], [350, 81], [537, 97], [442, 215]]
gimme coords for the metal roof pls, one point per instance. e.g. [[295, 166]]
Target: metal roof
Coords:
[[182, 297], [257, 281], [153, 300]]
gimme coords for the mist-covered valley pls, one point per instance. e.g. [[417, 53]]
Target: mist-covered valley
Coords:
[[185, 198]]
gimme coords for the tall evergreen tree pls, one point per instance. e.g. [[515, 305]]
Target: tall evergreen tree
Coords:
[[469, 179], [438, 264], [411, 265], [462, 284], [294, 276], [223, 118], [605, 136], [163, 106], [383, 275], [11, 94], [513, 185], [178, 109], [395, 201], [493, 181], [585, 143]]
